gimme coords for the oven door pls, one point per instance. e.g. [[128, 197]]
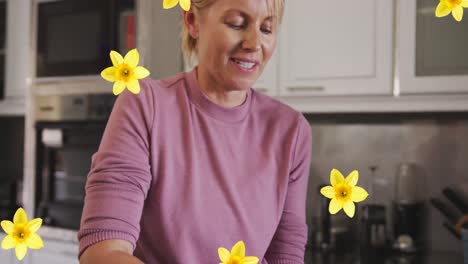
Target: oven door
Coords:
[[65, 156]]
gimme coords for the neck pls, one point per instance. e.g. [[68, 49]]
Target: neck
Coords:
[[220, 95]]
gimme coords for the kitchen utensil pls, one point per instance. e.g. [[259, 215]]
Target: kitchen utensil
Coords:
[[325, 222], [409, 210], [456, 199], [374, 232], [452, 230], [449, 213]]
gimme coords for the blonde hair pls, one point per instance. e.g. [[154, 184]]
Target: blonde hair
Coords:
[[189, 44]]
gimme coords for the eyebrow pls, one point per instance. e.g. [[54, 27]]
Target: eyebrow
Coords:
[[245, 14]]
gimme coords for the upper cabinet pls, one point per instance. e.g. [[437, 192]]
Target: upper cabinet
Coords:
[[17, 51], [432, 53], [336, 48], [15, 36], [267, 82]]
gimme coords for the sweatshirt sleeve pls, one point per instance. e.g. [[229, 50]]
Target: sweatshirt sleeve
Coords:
[[119, 178], [288, 244]]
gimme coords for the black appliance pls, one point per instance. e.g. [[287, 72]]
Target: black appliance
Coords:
[[62, 169], [409, 212], [64, 151], [75, 36]]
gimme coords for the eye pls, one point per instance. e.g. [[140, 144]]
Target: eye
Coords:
[[235, 26], [266, 30]]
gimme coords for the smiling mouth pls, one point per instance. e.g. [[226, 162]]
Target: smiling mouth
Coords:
[[244, 64]]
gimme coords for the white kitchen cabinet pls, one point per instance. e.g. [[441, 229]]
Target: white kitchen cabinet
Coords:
[[336, 48], [17, 56], [18, 37], [268, 82], [432, 52]]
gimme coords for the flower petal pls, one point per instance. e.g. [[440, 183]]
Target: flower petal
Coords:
[[457, 13], [116, 58], [118, 87], [134, 86], [34, 241], [250, 260], [7, 226], [141, 72], [20, 217], [334, 206], [169, 3], [238, 249], [8, 242], [108, 74], [442, 9], [34, 225], [132, 57], [20, 251], [464, 3], [223, 254], [185, 4], [328, 191], [336, 177], [358, 194], [352, 178], [349, 208]]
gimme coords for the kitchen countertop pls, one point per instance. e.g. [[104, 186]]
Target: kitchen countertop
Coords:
[[60, 234], [315, 256]]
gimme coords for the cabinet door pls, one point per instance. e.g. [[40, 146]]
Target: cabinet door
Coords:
[[268, 82], [54, 252], [336, 47], [18, 34], [432, 52]]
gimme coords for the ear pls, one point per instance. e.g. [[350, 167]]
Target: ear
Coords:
[[191, 22]]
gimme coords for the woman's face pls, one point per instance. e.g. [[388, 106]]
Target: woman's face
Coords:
[[235, 40]]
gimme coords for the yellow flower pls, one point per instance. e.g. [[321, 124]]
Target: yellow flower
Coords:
[[185, 4], [21, 234], [454, 6], [343, 192], [125, 72], [236, 256]]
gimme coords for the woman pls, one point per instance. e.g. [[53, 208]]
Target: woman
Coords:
[[200, 160]]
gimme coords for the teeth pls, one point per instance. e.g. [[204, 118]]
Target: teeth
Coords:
[[244, 64]]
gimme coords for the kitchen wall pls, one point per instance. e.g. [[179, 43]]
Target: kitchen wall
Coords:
[[436, 142]]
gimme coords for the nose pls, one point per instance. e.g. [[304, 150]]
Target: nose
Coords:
[[252, 41]]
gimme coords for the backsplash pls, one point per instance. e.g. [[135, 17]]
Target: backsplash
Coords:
[[436, 142]]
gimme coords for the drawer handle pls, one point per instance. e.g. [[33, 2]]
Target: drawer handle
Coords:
[[306, 88]]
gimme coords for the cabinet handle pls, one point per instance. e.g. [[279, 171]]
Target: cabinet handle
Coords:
[[306, 88]]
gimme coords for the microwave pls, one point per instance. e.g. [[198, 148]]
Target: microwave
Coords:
[[75, 37]]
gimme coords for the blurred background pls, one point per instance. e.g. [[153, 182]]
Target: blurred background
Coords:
[[384, 85]]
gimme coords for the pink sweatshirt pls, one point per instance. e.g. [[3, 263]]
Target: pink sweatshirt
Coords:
[[179, 176]]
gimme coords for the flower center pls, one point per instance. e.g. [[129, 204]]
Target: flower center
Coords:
[[454, 3], [234, 260], [125, 72], [21, 233], [343, 192]]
